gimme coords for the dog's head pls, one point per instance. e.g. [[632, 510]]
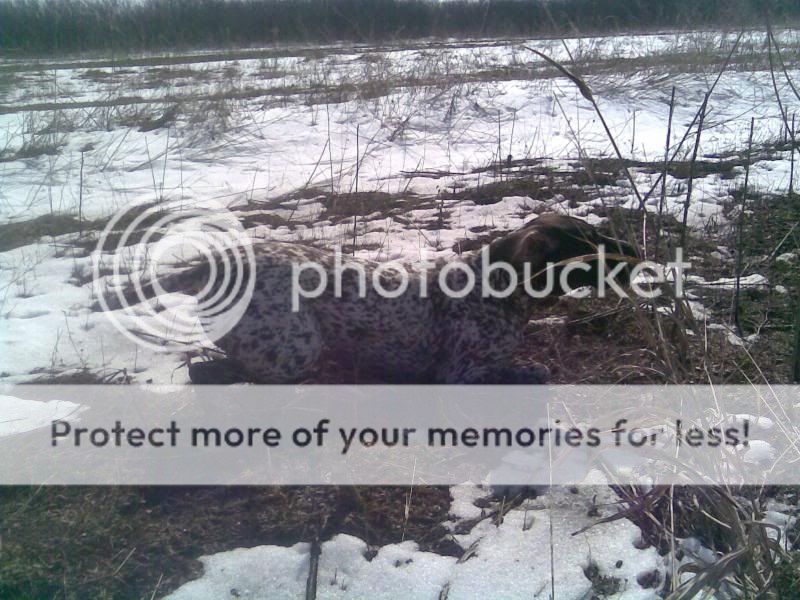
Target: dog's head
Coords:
[[550, 241]]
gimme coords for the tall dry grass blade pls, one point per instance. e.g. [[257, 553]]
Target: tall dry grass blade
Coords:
[[583, 88], [329, 144], [689, 184], [793, 143], [740, 233], [711, 89], [654, 333], [80, 200], [308, 181], [663, 200], [784, 116], [586, 92], [551, 533], [313, 569], [774, 43], [796, 358], [355, 217]]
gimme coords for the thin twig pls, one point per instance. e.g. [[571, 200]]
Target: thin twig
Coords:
[[739, 249], [780, 60], [586, 92], [777, 248], [308, 181], [791, 165], [796, 361], [690, 183], [330, 147], [680, 144], [158, 584], [663, 199], [313, 569], [80, 200], [355, 216], [784, 116]]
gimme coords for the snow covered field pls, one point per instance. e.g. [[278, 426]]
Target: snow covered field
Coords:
[[278, 137], [284, 137], [93, 137], [512, 560]]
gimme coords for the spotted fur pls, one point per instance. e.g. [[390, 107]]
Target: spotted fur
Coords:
[[433, 339]]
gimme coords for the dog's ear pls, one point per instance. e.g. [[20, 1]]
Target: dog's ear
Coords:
[[527, 245]]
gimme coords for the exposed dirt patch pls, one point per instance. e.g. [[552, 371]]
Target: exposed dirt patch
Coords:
[[124, 542], [727, 166], [22, 233], [358, 204], [270, 220], [338, 207], [33, 149], [540, 183], [99, 75], [83, 376]]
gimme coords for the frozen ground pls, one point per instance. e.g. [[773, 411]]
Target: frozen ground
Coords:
[[532, 550], [279, 136]]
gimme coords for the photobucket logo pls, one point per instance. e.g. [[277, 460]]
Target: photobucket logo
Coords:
[[602, 271], [135, 262]]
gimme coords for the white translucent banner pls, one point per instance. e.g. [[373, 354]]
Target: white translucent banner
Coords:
[[399, 435]]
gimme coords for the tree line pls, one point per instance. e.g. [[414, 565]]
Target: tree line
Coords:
[[77, 25]]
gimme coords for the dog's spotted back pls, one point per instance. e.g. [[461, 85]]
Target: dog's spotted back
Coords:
[[416, 337]]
